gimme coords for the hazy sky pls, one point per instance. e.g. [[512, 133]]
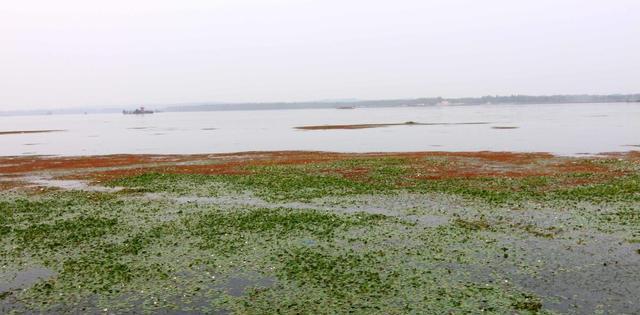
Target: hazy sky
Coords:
[[69, 53]]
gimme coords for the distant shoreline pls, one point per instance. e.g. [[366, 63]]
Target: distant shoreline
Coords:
[[388, 103]]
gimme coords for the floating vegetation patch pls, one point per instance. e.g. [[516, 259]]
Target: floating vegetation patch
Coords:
[[72, 232], [227, 231], [340, 276], [368, 176], [321, 233]]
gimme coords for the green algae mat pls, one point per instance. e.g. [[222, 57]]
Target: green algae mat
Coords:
[[365, 235]]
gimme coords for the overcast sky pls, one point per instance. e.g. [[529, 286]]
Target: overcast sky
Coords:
[[70, 53]]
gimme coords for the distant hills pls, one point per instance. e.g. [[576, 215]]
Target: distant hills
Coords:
[[341, 103]]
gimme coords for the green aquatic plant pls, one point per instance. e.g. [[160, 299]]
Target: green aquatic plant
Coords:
[[70, 232], [621, 188], [340, 276], [226, 230], [134, 252], [369, 176]]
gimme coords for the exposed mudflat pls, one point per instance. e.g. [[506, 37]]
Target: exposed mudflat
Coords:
[[16, 132], [367, 126], [320, 232]]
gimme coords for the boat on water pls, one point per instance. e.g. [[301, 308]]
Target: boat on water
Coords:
[[138, 111]]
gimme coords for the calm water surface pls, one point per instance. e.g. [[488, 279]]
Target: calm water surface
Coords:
[[566, 129]]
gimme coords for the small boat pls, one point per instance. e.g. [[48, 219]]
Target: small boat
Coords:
[[138, 111], [345, 107]]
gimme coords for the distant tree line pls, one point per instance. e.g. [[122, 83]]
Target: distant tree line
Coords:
[[425, 101], [497, 99], [550, 99]]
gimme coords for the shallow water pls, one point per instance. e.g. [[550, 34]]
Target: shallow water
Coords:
[[18, 280], [565, 129]]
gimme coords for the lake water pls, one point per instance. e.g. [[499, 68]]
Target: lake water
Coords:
[[564, 129]]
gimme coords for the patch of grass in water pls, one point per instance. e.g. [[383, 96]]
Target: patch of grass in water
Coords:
[[98, 273], [472, 225], [340, 276], [309, 181], [383, 176], [471, 298], [502, 190], [137, 243], [351, 262], [326, 279], [281, 183], [528, 302], [627, 216], [33, 209], [109, 267], [532, 229], [225, 230], [623, 188], [65, 233], [493, 190], [283, 186], [4, 230], [22, 209], [191, 184]]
